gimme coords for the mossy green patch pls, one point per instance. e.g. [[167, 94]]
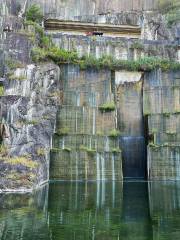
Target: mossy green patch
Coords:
[[18, 78], [63, 131], [1, 90], [107, 107], [41, 152], [13, 64], [60, 56], [114, 133], [67, 149], [22, 161], [34, 13], [116, 150], [86, 149]]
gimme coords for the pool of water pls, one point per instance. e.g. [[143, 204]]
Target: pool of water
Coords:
[[93, 210]]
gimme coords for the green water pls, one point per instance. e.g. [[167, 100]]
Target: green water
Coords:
[[93, 210]]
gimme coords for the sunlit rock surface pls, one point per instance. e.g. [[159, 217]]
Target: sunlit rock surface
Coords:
[[28, 113]]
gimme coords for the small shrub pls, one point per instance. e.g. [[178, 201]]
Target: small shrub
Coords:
[[137, 45], [30, 122], [114, 133], [18, 78], [63, 131], [3, 150], [38, 54], [99, 133], [34, 14], [67, 149], [13, 64], [1, 90], [165, 144], [153, 145], [59, 55], [86, 149], [154, 130], [41, 152], [116, 150], [171, 133], [55, 150], [107, 107], [22, 161]]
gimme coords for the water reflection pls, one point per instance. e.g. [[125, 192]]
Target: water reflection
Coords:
[[93, 210], [164, 198], [23, 216]]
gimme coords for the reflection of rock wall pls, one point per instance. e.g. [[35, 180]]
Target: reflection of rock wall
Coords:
[[20, 212], [97, 206], [164, 204]]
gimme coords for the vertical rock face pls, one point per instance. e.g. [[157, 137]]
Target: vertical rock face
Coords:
[[162, 106], [85, 146], [28, 112], [130, 122], [70, 9], [80, 114]]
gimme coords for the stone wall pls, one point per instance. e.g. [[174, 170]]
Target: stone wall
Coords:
[[121, 48], [161, 107], [84, 147], [70, 9]]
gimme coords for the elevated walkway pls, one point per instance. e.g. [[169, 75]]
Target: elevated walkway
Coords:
[[83, 28]]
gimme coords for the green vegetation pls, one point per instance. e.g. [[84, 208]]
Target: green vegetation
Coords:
[[18, 78], [60, 56], [137, 45], [86, 149], [46, 51], [153, 145], [100, 133], [171, 133], [116, 150], [55, 150], [3, 150], [13, 64], [34, 14], [114, 133], [30, 122], [107, 107], [1, 90], [41, 152], [171, 10], [146, 113], [67, 149], [166, 114], [22, 161], [63, 131], [154, 130]]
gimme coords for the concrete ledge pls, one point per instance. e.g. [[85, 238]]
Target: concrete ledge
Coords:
[[55, 24]]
